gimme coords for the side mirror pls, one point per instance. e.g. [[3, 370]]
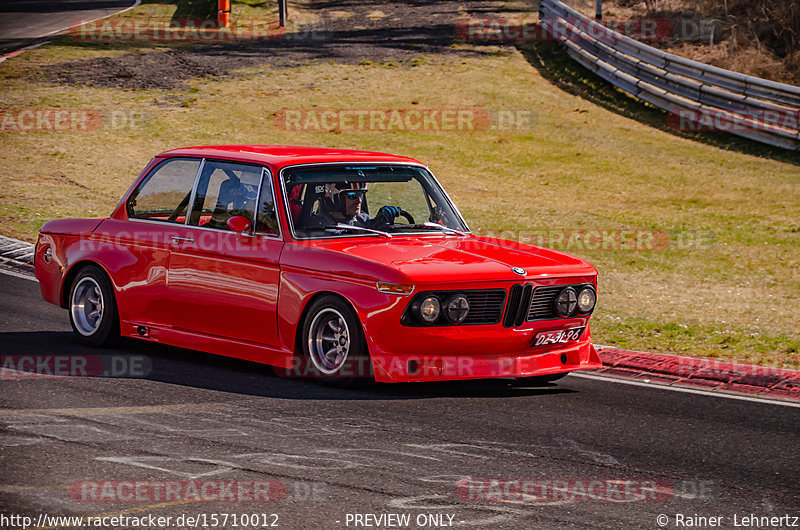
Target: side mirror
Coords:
[[239, 224]]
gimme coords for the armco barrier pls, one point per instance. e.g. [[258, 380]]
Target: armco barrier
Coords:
[[745, 105]]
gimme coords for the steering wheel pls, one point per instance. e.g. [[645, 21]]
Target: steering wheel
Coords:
[[408, 216]]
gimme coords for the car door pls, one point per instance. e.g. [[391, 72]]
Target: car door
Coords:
[[222, 283], [141, 243]]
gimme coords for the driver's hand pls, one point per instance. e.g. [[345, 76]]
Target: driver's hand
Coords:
[[388, 214]]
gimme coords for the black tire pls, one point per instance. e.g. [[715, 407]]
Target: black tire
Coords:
[[331, 326], [540, 380], [91, 292]]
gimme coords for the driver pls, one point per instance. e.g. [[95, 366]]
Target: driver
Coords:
[[343, 203]]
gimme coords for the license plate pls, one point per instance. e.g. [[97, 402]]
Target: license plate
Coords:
[[558, 337]]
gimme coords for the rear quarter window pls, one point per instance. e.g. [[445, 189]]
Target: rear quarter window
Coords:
[[164, 194]]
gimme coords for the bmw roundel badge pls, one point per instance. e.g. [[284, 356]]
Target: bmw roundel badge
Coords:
[[519, 271]]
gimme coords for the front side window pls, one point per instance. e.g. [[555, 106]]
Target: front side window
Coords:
[[225, 189], [389, 198], [164, 194]]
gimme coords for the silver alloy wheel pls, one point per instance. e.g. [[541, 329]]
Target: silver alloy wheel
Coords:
[[87, 306], [328, 341]]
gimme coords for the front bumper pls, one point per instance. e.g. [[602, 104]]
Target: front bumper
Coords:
[[393, 368]]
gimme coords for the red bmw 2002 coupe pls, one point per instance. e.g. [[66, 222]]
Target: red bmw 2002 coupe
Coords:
[[335, 264]]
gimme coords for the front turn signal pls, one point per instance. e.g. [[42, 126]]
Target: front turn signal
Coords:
[[395, 288]]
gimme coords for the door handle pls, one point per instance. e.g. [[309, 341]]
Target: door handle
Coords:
[[177, 239]]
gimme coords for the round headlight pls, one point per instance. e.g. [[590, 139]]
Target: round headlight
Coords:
[[566, 302], [456, 308], [429, 309], [586, 300]]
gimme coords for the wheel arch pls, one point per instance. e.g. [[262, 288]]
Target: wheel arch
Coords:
[[73, 271], [298, 346]]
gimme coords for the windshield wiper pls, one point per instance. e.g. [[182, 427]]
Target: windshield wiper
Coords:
[[445, 228], [343, 226]]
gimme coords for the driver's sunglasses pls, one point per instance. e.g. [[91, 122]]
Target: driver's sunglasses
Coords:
[[353, 195]]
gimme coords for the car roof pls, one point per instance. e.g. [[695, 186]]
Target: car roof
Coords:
[[285, 155]]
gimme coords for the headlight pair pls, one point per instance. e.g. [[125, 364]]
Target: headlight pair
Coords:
[[568, 300], [454, 309]]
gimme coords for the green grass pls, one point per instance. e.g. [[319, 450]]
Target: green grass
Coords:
[[710, 341], [727, 286]]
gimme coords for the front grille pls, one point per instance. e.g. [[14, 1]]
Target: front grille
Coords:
[[519, 298], [485, 306], [543, 303]]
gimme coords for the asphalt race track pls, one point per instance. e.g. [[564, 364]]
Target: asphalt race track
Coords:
[[25, 22], [401, 449]]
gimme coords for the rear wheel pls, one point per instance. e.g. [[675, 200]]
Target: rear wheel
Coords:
[[334, 349], [92, 308]]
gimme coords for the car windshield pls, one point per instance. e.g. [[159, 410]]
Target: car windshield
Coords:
[[372, 199]]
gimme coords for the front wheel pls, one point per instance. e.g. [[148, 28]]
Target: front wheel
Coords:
[[333, 343], [92, 308]]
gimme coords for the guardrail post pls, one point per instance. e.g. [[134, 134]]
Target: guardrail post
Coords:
[[282, 13], [598, 10], [223, 13]]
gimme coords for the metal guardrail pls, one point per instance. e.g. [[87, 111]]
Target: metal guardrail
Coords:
[[744, 105]]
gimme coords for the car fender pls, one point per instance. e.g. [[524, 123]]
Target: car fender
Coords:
[[299, 287]]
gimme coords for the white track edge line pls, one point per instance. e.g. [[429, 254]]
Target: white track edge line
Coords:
[[766, 401], [14, 53], [18, 275]]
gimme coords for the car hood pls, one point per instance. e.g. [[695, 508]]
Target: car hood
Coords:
[[432, 259]]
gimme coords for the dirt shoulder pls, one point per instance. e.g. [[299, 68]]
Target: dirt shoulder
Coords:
[[400, 32], [353, 33]]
